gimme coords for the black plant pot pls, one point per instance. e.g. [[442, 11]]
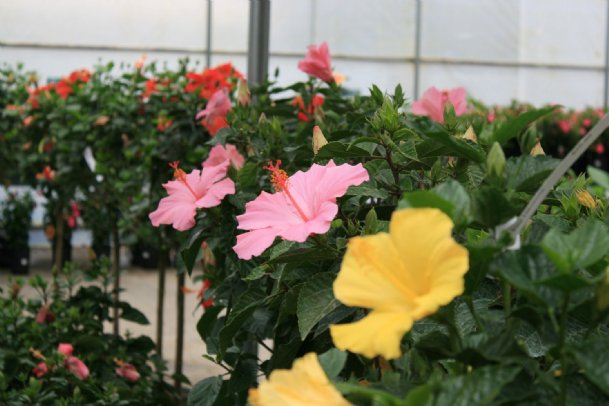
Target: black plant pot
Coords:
[[19, 260], [145, 256], [101, 249]]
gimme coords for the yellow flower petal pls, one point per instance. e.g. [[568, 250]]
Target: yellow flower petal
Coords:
[[416, 234], [379, 333], [402, 276], [305, 384], [371, 275]]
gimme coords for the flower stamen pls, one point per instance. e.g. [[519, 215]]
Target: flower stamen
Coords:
[[280, 181], [180, 176]]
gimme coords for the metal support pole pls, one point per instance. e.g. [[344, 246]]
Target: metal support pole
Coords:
[[258, 47], [606, 81], [208, 46], [417, 47]]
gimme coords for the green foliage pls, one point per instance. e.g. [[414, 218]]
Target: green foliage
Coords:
[[66, 315]]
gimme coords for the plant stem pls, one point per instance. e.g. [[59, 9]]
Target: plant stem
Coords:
[[507, 298], [162, 269], [116, 256], [59, 231], [180, 332], [563, 353]]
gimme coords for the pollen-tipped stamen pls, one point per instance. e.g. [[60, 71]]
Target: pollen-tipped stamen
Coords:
[[280, 180], [180, 176]]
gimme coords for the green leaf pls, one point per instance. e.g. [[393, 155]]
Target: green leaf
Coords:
[[205, 392], [515, 126], [583, 247], [337, 149], [491, 207], [333, 361], [132, 314], [248, 175], [304, 255], [315, 301], [599, 176], [457, 146], [524, 269], [480, 387], [593, 358], [367, 191], [243, 309], [526, 173]]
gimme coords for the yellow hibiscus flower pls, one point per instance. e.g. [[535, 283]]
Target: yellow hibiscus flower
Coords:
[[402, 276], [304, 384]]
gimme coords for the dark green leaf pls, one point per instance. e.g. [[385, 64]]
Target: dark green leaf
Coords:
[[526, 173], [340, 150], [332, 362], [583, 247], [592, 356], [304, 255], [205, 392], [514, 126], [457, 147], [315, 301]]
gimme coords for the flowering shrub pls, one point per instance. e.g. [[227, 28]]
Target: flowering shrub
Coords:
[[55, 349], [359, 228]]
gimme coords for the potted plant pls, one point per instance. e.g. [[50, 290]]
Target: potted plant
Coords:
[[16, 214]]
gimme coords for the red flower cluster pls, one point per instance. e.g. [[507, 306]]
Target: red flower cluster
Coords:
[[63, 88], [212, 79], [305, 113]]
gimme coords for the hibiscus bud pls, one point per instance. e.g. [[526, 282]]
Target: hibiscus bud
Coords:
[[40, 369], [77, 367], [337, 223], [495, 161], [101, 120], [537, 150], [65, 348], [318, 139], [470, 135], [371, 222], [209, 258], [243, 93], [585, 199], [15, 289]]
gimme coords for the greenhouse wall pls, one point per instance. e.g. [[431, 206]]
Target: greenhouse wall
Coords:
[[530, 50]]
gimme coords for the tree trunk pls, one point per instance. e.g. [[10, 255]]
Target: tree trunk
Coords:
[[180, 331], [162, 268], [116, 257], [59, 231]]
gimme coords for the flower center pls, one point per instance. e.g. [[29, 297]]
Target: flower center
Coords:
[[280, 181], [180, 176]]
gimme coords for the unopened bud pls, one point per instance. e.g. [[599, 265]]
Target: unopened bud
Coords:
[[585, 199], [318, 139], [495, 161], [371, 222], [470, 135], [243, 93], [537, 150]]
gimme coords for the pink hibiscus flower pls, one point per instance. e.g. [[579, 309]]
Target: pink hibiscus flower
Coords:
[[213, 117], [76, 367], [434, 102], [220, 154], [189, 192], [304, 204], [65, 348], [40, 369], [317, 63], [127, 371]]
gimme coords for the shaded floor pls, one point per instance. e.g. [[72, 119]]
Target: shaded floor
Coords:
[[140, 290]]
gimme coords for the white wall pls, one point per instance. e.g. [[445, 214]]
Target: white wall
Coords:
[[372, 41]]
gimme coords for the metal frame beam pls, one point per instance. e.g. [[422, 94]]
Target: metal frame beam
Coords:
[[258, 44]]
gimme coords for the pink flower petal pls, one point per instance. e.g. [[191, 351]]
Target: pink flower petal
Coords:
[[253, 243]]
